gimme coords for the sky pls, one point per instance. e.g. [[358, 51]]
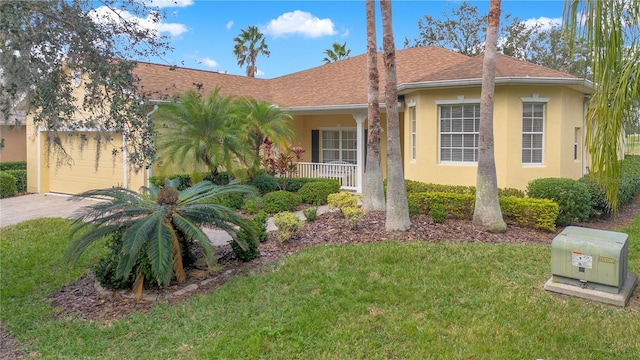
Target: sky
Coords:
[[297, 33]]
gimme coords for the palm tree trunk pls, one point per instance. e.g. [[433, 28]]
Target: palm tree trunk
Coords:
[[373, 199], [397, 204], [487, 212]]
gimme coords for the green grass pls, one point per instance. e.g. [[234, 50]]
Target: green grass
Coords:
[[377, 301]]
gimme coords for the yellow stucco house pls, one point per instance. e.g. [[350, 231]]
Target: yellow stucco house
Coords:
[[538, 121]]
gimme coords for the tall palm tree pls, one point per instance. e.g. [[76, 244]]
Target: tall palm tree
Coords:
[[487, 213], [373, 199], [201, 131], [158, 227], [397, 203], [262, 120], [337, 52], [611, 29], [249, 44]]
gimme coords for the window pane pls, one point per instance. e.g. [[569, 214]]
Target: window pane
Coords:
[[456, 112], [536, 125], [526, 141], [445, 155], [445, 112], [445, 140], [445, 125], [469, 112], [456, 140], [456, 125], [538, 110], [527, 125], [456, 154], [330, 155], [469, 141], [536, 156], [527, 110]]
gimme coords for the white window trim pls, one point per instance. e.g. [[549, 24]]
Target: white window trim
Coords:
[[334, 128], [460, 101], [413, 119], [544, 102]]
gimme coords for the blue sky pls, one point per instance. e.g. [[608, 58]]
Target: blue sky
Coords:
[[298, 32]]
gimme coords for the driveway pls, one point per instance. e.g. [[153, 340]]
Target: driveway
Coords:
[[17, 209]]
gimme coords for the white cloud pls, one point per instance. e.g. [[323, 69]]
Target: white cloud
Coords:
[[545, 22], [259, 72], [105, 15], [345, 33], [300, 22], [169, 3], [209, 62], [229, 24]]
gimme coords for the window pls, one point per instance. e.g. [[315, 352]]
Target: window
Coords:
[[459, 127], [339, 145], [413, 133], [576, 143], [532, 132]]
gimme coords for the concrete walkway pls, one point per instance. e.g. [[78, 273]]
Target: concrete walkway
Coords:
[[17, 209]]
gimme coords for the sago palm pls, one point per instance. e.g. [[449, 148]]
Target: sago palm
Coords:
[[158, 226], [195, 131]]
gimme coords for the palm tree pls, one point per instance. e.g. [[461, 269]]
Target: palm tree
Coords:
[[158, 226], [338, 52], [397, 203], [611, 30], [262, 121], [373, 199], [201, 131], [487, 213], [249, 44]]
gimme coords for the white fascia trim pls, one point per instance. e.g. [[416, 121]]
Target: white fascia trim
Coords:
[[326, 109], [588, 85]]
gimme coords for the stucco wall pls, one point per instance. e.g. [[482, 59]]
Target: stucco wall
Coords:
[[15, 143], [563, 114]]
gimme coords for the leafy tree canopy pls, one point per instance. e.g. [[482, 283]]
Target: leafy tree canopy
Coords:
[[336, 52], [43, 44], [463, 29]]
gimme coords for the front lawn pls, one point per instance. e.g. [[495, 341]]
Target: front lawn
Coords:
[[384, 300]]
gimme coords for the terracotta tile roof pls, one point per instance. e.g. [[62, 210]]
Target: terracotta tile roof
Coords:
[[340, 83], [506, 66]]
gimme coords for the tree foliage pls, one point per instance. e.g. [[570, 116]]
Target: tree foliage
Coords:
[[612, 31], [248, 45], [44, 43], [463, 29], [336, 52]]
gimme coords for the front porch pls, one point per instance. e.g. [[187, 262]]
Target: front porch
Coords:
[[344, 172]]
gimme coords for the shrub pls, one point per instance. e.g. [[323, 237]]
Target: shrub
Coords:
[[599, 205], [572, 197], [231, 200], [13, 165], [219, 178], [420, 187], [279, 201], [457, 205], [353, 216], [251, 251], [511, 192], [260, 219], [183, 180], [342, 200], [316, 192], [7, 185], [288, 225], [265, 183], [538, 213], [250, 206], [21, 179], [438, 213], [311, 213]]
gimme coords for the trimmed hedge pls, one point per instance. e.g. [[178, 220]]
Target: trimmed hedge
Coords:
[[538, 213], [571, 195], [458, 205], [21, 179], [279, 201], [265, 183], [419, 187], [7, 185], [13, 165], [316, 192]]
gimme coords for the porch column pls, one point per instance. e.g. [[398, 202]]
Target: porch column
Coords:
[[360, 117]]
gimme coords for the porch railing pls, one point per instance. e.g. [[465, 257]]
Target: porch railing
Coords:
[[344, 172]]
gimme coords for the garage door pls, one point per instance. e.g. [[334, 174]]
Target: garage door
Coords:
[[84, 173]]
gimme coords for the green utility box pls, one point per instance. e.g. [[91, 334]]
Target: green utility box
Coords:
[[590, 258]]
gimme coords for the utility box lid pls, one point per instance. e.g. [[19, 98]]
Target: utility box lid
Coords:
[[583, 255]]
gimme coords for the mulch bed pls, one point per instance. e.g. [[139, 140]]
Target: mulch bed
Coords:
[[82, 300]]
